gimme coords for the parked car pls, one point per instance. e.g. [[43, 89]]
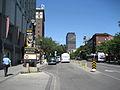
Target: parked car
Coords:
[[52, 60], [58, 59]]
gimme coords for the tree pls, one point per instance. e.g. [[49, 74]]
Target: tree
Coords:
[[61, 49], [112, 46], [82, 52], [49, 46], [117, 34]]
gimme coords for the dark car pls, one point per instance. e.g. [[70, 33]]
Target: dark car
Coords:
[[52, 60]]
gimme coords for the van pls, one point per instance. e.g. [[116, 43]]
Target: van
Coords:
[[65, 57], [101, 57]]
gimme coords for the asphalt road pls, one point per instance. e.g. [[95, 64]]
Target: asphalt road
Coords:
[[109, 70], [69, 76]]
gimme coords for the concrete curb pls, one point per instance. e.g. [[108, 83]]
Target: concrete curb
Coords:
[[51, 82]]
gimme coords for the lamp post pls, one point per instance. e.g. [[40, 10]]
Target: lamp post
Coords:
[[33, 29]]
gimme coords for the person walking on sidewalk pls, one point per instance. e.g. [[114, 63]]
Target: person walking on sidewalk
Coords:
[[6, 64]]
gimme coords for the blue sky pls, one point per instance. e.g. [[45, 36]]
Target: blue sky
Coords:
[[84, 17]]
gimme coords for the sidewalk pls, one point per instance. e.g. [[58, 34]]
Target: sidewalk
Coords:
[[12, 71], [31, 81], [26, 81]]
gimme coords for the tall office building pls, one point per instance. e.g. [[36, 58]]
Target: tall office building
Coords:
[[71, 42], [40, 19], [15, 19]]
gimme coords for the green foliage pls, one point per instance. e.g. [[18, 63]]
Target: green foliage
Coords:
[[112, 46], [49, 46], [61, 49], [117, 34], [81, 52]]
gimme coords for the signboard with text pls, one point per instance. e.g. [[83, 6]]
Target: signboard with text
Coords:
[[30, 53]]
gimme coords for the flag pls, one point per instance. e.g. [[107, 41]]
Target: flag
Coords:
[[7, 26], [18, 32]]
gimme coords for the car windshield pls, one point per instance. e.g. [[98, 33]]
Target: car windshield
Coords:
[[52, 59]]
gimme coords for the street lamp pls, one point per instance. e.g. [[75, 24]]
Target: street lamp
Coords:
[[33, 24]]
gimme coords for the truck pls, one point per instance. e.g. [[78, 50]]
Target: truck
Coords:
[[65, 57], [101, 57]]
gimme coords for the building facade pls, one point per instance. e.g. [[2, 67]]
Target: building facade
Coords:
[[71, 42], [15, 19], [97, 39], [40, 19]]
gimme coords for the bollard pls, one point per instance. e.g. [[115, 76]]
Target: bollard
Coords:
[[38, 67], [80, 63], [85, 65], [74, 62], [28, 67], [93, 65]]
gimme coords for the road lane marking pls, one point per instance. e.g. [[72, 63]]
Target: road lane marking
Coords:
[[98, 72], [88, 69], [109, 70], [110, 76], [109, 65], [112, 71]]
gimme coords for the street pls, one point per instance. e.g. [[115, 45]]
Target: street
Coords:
[[64, 76], [109, 70], [70, 76], [59, 45]]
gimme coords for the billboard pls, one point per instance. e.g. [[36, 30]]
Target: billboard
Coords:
[[29, 38]]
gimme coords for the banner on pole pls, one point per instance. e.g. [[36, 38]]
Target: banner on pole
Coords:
[[7, 26]]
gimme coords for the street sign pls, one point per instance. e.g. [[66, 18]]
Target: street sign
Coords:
[[30, 53]]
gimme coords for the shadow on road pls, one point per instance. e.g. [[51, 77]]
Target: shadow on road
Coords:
[[10, 74]]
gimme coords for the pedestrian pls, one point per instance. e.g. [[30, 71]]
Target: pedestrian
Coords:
[[6, 64]]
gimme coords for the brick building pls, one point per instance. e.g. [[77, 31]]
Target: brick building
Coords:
[[97, 39], [40, 19]]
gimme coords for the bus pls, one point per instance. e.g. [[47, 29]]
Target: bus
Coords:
[[65, 57]]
